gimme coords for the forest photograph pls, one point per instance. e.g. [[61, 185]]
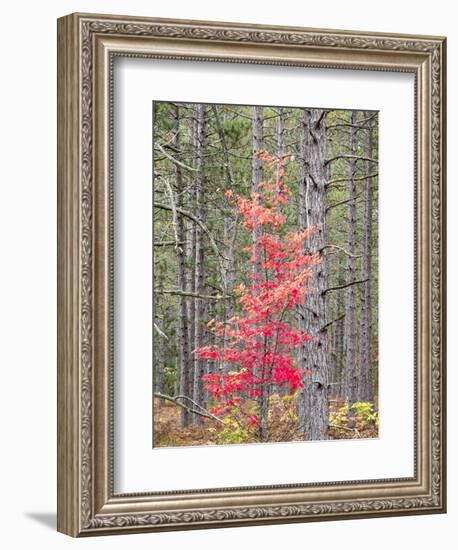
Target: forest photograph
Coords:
[[265, 274]]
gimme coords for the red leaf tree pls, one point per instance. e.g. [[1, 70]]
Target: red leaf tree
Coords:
[[258, 346]]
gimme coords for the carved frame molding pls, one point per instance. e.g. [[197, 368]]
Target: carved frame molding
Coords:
[[87, 46]]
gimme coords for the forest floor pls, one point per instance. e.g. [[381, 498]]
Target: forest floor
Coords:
[[168, 431]]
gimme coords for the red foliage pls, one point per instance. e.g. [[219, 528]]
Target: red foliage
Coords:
[[260, 342]]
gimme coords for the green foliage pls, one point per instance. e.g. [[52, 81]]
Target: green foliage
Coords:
[[339, 418], [170, 380], [283, 417], [365, 413], [239, 426], [234, 432], [361, 415]]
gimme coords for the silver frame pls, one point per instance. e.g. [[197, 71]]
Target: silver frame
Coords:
[[87, 45]]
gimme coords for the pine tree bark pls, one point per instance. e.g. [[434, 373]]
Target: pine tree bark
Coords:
[[366, 389], [159, 367], [199, 284], [314, 358], [183, 329], [351, 368], [281, 125], [257, 125], [257, 147], [191, 261], [229, 229], [191, 303], [340, 333]]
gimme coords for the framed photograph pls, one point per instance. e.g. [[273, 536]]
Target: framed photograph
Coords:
[[251, 290]]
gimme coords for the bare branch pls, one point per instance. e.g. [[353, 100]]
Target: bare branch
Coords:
[[237, 113], [337, 427], [349, 157], [200, 411], [340, 287], [174, 160], [345, 201], [320, 118], [361, 121], [178, 292], [206, 231], [347, 125], [161, 334], [169, 243], [359, 178], [332, 246], [332, 322]]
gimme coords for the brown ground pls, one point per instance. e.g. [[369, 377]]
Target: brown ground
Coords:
[[169, 433]]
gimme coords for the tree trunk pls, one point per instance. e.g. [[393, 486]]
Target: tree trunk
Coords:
[[351, 368], [313, 404], [159, 366], [281, 134], [340, 333], [229, 231], [256, 169], [199, 284], [257, 124], [183, 329], [191, 303], [257, 146], [366, 391]]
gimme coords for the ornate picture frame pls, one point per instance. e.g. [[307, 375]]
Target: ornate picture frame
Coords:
[[87, 46]]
